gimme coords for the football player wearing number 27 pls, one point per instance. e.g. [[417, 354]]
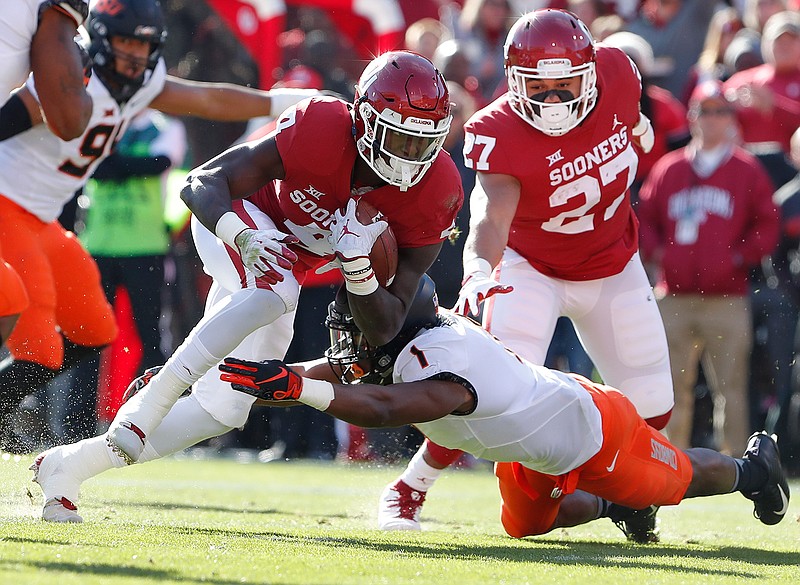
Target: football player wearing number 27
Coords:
[[265, 213], [69, 318], [551, 219]]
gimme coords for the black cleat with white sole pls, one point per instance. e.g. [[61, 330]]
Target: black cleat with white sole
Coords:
[[771, 501]]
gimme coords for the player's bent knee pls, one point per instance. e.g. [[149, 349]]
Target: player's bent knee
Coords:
[[517, 530]]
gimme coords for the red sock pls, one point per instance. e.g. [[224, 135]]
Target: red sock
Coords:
[[442, 455]]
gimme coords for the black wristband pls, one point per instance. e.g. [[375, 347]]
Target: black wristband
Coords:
[[14, 118]]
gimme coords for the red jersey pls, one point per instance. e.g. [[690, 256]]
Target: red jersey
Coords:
[[702, 224], [574, 218], [315, 141], [778, 125]]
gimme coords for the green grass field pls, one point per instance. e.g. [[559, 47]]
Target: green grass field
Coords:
[[181, 521]]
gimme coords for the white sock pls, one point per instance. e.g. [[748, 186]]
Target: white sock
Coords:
[[186, 424], [418, 474], [79, 462], [215, 336]]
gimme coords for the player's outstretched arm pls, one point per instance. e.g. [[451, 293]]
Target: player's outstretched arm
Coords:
[[57, 68], [224, 101], [365, 405]]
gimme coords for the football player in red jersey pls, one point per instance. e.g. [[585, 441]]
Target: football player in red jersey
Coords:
[[551, 220], [265, 213]]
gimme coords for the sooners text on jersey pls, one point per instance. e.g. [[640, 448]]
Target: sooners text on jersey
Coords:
[[574, 218]]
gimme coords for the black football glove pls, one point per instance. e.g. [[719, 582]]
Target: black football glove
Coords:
[[268, 380]]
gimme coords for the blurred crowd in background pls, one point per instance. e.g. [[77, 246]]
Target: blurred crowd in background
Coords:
[[753, 46]]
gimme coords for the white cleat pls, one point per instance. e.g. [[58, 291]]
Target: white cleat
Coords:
[[61, 510], [399, 507], [59, 488], [126, 440]]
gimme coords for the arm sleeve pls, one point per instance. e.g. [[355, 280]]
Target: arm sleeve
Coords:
[[117, 167], [14, 118]]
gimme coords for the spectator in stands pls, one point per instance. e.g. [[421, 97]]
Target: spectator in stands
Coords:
[[707, 216], [452, 60], [744, 52], [424, 36], [767, 97], [756, 13], [724, 26], [482, 27], [676, 30]]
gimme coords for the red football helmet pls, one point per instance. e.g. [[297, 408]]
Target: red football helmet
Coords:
[[550, 44], [402, 116]]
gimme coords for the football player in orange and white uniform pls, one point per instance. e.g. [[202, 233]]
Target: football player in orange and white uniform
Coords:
[[551, 219], [69, 316], [268, 211], [31, 34], [565, 448]]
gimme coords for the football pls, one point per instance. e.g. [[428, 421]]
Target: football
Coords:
[[384, 253]]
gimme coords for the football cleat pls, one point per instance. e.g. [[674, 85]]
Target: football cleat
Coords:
[[61, 510], [399, 507], [136, 386], [640, 526], [126, 440], [59, 488], [772, 500]]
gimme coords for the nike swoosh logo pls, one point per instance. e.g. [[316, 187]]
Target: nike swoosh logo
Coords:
[[785, 500], [281, 374], [611, 467]]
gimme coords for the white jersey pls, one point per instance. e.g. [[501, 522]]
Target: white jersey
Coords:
[[538, 417], [40, 172], [18, 24]]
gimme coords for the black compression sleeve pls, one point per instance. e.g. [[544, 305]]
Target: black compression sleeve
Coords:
[[14, 118]]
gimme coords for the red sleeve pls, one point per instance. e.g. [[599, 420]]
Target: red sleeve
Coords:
[[312, 138]]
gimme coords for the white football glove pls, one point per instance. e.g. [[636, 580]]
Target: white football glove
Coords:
[[262, 249], [350, 238], [644, 132], [476, 288]]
